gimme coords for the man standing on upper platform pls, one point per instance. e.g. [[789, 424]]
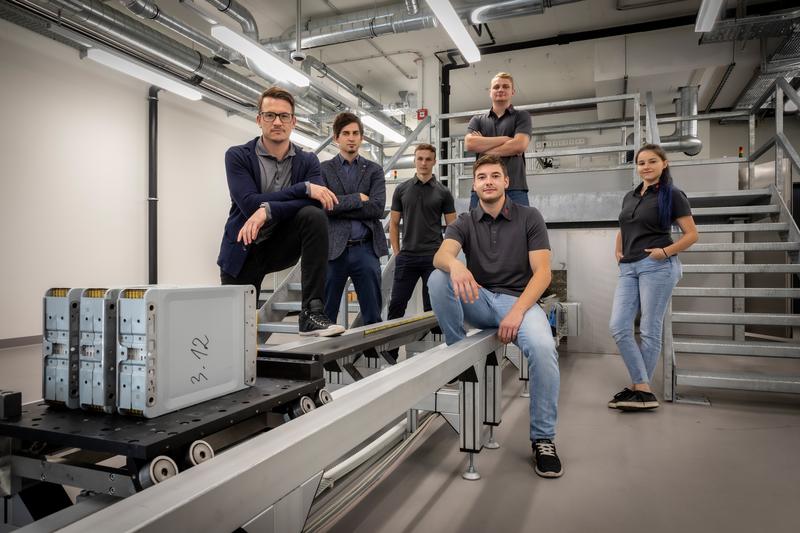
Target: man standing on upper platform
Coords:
[[504, 132]]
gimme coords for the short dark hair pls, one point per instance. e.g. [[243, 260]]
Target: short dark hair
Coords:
[[488, 160], [426, 147], [279, 93], [345, 119]]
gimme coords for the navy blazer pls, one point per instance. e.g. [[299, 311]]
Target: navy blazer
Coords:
[[244, 183], [370, 182]]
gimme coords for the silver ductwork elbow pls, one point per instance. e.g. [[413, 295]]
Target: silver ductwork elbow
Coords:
[[685, 138]]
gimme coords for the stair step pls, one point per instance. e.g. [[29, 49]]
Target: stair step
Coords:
[[743, 247], [736, 210], [287, 306], [753, 382], [720, 292], [728, 228], [727, 198], [766, 319], [742, 269], [729, 347], [295, 286], [278, 327]]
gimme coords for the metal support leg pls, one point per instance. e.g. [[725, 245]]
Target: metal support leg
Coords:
[[412, 421], [524, 376], [471, 474], [493, 383], [472, 413]]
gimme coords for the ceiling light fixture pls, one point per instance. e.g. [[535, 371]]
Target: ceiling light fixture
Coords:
[[265, 59], [387, 132], [143, 73], [707, 15], [448, 18]]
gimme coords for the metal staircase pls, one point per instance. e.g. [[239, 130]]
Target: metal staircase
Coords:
[[749, 221]]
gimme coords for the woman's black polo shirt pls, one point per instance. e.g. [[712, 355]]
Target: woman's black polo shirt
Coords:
[[638, 221]]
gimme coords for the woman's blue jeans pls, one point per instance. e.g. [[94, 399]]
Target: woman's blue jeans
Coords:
[[645, 285]]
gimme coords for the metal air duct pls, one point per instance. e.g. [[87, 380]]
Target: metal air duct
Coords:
[[369, 23], [685, 138]]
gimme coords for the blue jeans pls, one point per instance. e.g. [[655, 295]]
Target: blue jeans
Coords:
[[534, 339], [645, 285], [360, 264], [517, 196]]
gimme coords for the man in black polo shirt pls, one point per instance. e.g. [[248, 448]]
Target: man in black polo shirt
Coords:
[[507, 270], [420, 202], [505, 132]]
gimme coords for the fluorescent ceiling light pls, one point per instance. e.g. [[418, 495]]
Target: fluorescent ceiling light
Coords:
[[708, 15], [448, 18], [304, 140], [143, 73], [387, 132], [265, 59]]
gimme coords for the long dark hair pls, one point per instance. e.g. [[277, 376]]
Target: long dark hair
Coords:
[[664, 185]]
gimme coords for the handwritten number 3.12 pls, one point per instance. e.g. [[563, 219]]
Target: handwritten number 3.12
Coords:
[[200, 350], [197, 343]]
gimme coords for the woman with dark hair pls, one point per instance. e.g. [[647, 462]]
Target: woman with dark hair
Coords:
[[648, 271]]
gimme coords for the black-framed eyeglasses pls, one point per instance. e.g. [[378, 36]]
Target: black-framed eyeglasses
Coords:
[[270, 116]]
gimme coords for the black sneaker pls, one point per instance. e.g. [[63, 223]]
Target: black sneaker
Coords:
[[624, 394], [545, 460], [316, 323], [638, 401]]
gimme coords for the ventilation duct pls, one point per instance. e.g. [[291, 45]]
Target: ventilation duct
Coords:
[[369, 23], [685, 138]]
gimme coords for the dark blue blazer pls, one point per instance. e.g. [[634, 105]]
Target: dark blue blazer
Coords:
[[372, 183], [244, 184]]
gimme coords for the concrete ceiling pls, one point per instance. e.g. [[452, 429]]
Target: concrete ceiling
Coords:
[[660, 60]]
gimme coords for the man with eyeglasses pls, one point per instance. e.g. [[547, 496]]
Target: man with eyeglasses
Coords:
[[275, 217], [357, 238]]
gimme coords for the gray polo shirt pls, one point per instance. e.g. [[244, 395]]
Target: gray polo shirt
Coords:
[[497, 248], [422, 206], [511, 123], [275, 176]]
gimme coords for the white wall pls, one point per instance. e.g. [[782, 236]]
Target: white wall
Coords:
[[73, 188]]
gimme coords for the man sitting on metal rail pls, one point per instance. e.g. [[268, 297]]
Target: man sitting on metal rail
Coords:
[[420, 203], [357, 240], [508, 268], [276, 191], [505, 132]]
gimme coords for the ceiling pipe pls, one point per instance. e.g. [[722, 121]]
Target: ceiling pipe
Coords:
[[348, 86], [148, 9], [112, 24], [685, 138], [412, 7], [369, 23]]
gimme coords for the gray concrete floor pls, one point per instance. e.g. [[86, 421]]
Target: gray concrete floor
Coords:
[[732, 467]]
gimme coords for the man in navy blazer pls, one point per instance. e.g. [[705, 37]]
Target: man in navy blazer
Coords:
[[357, 238], [275, 216]]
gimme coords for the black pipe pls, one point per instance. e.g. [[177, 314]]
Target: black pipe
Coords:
[[152, 191], [445, 105]]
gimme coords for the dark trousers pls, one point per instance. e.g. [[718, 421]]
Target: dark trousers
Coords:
[[518, 196], [360, 264], [305, 237], [408, 270]]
